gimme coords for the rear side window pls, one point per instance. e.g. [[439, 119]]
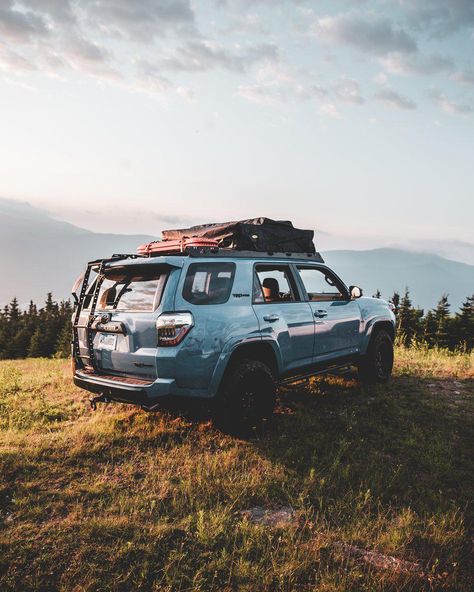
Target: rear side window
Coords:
[[133, 290], [208, 283]]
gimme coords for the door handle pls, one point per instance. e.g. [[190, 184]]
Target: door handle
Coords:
[[320, 313], [271, 318]]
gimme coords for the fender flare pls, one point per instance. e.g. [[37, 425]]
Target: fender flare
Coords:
[[375, 323], [230, 348]]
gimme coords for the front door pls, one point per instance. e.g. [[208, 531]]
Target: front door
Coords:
[[283, 315], [337, 317]]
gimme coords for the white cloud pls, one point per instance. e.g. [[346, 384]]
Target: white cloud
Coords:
[[465, 77], [393, 100], [440, 17], [348, 91], [417, 63], [449, 106], [330, 110], [376, 36], [199, 56]]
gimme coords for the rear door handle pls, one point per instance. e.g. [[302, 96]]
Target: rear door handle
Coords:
[[271, 318], [320, 313]]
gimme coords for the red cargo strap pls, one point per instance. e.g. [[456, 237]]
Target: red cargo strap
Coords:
[[174, 246]]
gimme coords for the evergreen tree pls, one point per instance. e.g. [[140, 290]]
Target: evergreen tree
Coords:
[[463, 325], [442, 334], [395, 300], [377, 294], [409, 320], [429, 328]]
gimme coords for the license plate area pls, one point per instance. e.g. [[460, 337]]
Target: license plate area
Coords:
[[107, 341]]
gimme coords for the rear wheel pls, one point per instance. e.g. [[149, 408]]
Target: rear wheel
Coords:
[[247, 397], [377, 364]]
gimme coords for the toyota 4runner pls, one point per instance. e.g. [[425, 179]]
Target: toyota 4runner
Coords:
[[222, 326]]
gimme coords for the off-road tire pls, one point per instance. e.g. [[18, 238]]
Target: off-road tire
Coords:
[[247, 396], [377, 364]]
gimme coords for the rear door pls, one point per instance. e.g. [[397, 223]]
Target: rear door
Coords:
[[283, 315], [337, 317], [124, 333]]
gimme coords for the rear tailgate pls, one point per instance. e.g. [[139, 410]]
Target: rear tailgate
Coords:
[[123, 332]]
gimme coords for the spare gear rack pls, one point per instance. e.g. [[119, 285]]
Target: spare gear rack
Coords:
[[76, 354]]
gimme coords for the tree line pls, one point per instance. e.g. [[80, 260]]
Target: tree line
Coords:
[[46, 331], [36, 332], [437, 327]]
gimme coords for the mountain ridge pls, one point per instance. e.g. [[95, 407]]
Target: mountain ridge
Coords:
[[39, 254]]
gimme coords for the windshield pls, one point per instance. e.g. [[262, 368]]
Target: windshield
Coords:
[[135, 289]]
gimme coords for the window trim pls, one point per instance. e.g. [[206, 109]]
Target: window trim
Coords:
[[326, 271], [232, 278], [294, 284]]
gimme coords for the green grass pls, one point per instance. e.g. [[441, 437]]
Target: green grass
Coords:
[[119, 499]]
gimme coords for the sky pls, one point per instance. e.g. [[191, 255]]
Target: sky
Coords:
[[352, 117]]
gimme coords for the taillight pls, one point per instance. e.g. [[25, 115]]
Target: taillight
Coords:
[[172, 328]]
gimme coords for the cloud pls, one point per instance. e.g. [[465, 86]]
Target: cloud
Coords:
[[392, 99], [376, 36], [465, 77], [141, 20], [440, 17], [417, 63], [279, 83], [449, 106], [19, 26], [348, 91], [330, 110], [198, 56]]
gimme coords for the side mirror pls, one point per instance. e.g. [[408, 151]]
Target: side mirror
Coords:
[[355, 291]]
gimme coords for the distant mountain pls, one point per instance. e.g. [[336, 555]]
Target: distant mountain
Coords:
[[427, 276], [39, 254]]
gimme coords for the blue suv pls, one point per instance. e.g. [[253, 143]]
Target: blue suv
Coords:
[[223, 326]]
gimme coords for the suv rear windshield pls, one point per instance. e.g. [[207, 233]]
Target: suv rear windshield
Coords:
[[133, 289], [208, 283]]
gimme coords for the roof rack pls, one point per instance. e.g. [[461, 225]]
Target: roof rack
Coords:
[[218, 252]]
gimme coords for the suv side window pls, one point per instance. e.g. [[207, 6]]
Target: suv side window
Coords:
[[208, 283], [274, 283], [320, 285]]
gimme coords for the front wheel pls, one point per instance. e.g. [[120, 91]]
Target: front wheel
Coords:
[[377, 364], [247, 397]]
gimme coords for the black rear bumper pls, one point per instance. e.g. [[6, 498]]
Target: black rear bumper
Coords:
[[123, 393]]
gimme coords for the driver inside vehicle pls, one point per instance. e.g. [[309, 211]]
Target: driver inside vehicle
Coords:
[[271, 290]]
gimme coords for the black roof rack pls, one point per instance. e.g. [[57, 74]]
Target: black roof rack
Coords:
[[217, 252]]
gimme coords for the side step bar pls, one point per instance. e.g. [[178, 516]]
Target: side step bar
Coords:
[[341, 368]]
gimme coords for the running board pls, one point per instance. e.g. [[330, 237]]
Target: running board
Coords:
[[346, 363]]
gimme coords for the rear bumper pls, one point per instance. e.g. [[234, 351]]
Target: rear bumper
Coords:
[[126, 392]]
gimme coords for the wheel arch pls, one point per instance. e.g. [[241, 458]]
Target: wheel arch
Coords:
[[380, 325], [259, 350]]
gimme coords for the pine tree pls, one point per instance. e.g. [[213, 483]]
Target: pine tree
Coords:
[[63, 345], [463, 325], [377, 294], [442, 334], [429, 328], [395, 300]]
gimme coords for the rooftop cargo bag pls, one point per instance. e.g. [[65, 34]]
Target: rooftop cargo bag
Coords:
[[257, 234]]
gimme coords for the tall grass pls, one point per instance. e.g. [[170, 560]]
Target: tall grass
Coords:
[[119, 499]]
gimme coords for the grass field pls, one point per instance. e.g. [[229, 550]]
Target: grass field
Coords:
[[376, 486]]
